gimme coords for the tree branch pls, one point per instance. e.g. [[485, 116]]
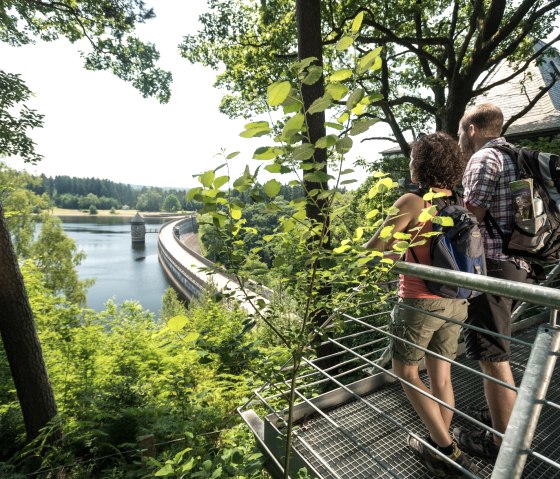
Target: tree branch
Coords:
[[408, 42], [530, 105], [374, 138], [519, 70], [476, 13]]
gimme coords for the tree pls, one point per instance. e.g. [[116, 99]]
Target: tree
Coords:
[[107, 27], [151, 200], [21, 342], [436, 54], [171, 203]]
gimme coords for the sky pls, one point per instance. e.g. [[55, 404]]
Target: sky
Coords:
[[99, 126]]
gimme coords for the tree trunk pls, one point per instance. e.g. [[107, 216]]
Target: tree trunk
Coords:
[[21, 342], [308, 18]]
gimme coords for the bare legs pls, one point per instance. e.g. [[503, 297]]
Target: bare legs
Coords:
[[435, 417], [500, 399]]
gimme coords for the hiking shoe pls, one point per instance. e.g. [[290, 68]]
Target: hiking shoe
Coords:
[[476, 443], [437, 466], [463, 460], [480, 414]]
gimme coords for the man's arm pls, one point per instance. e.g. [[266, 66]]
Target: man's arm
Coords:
[[480, 213]]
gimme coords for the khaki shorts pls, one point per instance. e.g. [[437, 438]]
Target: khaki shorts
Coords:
[[424, 330]]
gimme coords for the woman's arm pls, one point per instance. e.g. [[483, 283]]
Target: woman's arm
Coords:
[[409, 206]]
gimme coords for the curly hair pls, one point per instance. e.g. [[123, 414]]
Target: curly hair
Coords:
[[438, 161]]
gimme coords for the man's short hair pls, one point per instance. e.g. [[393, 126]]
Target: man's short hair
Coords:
[[488, 118]]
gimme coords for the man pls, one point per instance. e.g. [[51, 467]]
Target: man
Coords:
[[486, 182]]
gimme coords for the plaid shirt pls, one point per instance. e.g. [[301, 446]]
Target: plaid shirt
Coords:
[[486, 182]]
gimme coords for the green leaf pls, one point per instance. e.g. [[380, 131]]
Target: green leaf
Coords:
[[336, 90], [335, 126], [274, 168], [344, 43], [207, 178], [302, 64], [320, 104], [166, 470], [360, 126], [176, 323], [193, 192], [385, 184], [357, 22], [427, 214], [387, 232], [318, 177], [303, 152], [232, 155], [359, 233], [401, 246], [220, 181], [347, 182], [443, 220], [371, 214], [342, 118], [341, 75], [235, 212], [314, 72], [293, 126], [266, 153], [344, 145], [375, 98], [326, 141], [368, 60], [354, 98], [272, 188], [278, 92], [256, 128], [377, 64], [341, 249]]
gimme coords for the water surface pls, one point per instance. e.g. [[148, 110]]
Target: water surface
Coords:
[[121, 270]]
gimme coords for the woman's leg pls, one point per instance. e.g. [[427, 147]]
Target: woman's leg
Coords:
[[442, 388], [428, 410]]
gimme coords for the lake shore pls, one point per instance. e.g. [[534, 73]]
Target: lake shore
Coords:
[[121, 213]]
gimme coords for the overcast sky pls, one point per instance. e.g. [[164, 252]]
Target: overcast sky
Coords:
[[99, 126]]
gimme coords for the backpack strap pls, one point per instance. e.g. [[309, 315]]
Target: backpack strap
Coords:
[[489, 221]]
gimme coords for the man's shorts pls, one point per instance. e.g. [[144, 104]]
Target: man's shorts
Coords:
[[492, 313], [422, 329]]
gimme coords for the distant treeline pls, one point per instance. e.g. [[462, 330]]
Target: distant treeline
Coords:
[[82, 193]]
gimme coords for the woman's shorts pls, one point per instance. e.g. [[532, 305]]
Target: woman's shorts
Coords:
[[424, 330]]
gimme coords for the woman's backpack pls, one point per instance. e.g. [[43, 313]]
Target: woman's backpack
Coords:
[[458, 247]]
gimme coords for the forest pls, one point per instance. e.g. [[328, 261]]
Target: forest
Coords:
[[126, 393]]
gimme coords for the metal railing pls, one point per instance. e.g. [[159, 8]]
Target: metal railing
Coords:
[[352, 418]]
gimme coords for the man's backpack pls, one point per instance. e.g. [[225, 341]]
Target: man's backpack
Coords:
[[459, 247], [537, 237]]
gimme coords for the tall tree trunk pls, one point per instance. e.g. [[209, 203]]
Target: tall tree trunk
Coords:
[[21, 342], [308, 18]]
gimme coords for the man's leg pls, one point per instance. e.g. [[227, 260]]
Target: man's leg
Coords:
[[500, 399]]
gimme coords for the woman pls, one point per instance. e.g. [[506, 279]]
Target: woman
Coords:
[[436, 164]]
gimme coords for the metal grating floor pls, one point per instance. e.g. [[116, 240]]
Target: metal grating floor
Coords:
[[378, 447]]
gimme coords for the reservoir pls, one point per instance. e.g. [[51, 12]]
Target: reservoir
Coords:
[[121, 270]]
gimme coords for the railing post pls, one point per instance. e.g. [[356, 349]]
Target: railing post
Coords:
[[528, 405]]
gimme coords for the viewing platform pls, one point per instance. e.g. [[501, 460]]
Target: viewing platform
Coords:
[[352, 419]]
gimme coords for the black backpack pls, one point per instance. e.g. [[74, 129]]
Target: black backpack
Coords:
[[458, 247], [536, 234]]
